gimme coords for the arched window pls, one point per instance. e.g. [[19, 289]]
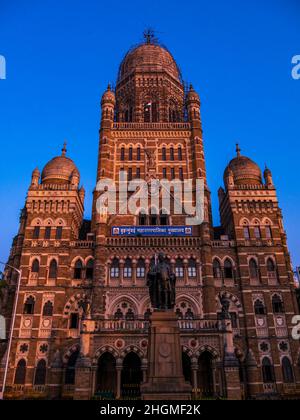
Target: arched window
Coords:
[[53, 270], [129, 315], [35, 268], [40, 373], [48, 309], [127, 268], [172, 157], [115, 268], [29, 306], [217, 269], [192, 268], [228, 269], [70, 369], [36, 232], [90, 270], [142, 218], [189, 314], [123, 153], [268, 232], [164, 219], [130, 156], [268, 371], [271, 270], [20, 375], [257, 232], [151, 112], [277, 304], [118, 315], [179, 153], [140, 269], [138, 154], [259, 307], [179, 313], [253, 269], [287, 371], [78, 268], [164, 153], [179, 268], [246, 232]]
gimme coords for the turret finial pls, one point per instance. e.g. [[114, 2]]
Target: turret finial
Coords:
[[149, 36], [238, 150], [64, 149]]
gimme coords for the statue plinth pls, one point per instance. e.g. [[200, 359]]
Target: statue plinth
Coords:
[[165, 374]]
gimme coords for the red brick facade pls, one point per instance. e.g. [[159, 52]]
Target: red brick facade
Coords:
[[150, 127]]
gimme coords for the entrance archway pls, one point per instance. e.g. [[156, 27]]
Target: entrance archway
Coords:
[[106, 376], [187, 367], [205, 374], [132, 376]]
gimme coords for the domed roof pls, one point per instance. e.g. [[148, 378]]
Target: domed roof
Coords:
[[108, 96], [59, 170], [149, 57], [244, 170]]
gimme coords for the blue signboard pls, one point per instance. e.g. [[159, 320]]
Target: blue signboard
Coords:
[[152, 231]]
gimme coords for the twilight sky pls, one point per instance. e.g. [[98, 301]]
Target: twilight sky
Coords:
[[61, 55]]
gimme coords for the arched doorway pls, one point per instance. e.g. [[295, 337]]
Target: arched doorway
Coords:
[[70, 368], [131, 376], [205, 374], [106, 376], [187, 368]]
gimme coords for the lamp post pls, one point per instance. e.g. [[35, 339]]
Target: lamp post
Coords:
[[12, 324]]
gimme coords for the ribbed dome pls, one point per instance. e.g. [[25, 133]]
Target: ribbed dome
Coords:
[[147, 58], [244, 171], [59, 170]]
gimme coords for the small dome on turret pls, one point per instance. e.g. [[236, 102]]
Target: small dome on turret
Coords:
[[59, 170], [108, 96], [192, 95], [243, 170]]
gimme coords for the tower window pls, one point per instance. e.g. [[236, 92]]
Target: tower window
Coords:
[[40, 373], [129, 174], [130, 157], [164, 153], [253, 269], [35, 268], [138, 173], [287, 371], [268, 371], [48, 232], [257, 232], [217, 269], [181, 174], [150, 112], [268, 232], [29, 306], [259, 308], [277, 305], [20, 375], [179, 269], [90, 270], [36, 232], [246, 233], [53, 270], [123, 153], [78, 270], [165, 173], [58, 234], [179, 153], [172, 157], [228, 269], [48, 309], [172, 173], [138, 153]]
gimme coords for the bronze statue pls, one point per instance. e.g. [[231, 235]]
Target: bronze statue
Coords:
[[162, 285]]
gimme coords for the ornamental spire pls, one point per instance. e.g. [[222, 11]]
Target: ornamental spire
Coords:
[[238, 150], [149, 36], [64, 149]]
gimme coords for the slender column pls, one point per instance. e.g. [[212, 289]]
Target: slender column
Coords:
[[194, 367], [119, 367], [121, 274], [134, 264], [185, 270]]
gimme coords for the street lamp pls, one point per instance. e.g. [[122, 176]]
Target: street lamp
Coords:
[[12, 325]]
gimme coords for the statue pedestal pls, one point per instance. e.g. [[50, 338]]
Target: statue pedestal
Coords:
[[165, 375]]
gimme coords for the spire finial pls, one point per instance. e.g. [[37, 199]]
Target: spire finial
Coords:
[[64, 149], [238, 150], [149, 36]]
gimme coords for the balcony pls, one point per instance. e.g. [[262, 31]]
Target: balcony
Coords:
[[151, 126]]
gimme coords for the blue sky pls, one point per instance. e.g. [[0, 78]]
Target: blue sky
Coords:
[[61, 54]]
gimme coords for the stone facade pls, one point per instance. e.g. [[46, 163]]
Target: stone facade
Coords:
[[150, 127]]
